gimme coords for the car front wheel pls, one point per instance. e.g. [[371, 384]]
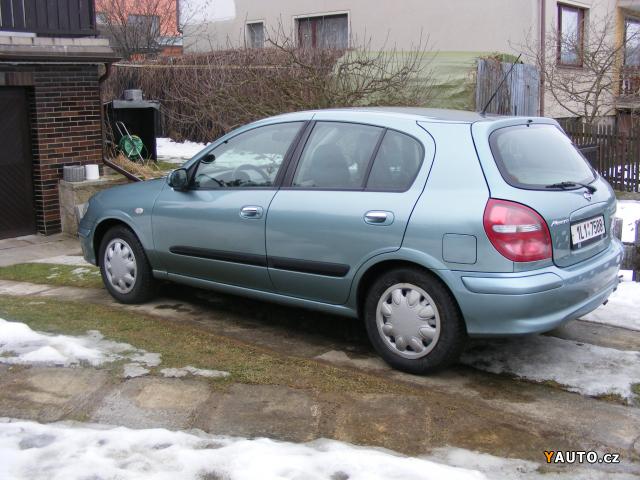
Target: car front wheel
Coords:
[[413, 321], [125, 270]]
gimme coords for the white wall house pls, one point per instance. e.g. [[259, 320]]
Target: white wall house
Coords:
[[460, 30]]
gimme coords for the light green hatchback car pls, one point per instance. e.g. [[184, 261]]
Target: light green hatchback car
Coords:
[[429, 225]]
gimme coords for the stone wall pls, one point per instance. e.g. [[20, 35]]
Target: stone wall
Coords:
[[73, 194]]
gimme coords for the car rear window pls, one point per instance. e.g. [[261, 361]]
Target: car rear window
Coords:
[[535, 156]]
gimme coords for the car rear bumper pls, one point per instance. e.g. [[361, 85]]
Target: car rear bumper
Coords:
[[534, 301]]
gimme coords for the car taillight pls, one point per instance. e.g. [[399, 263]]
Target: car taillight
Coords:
[[517, 231]]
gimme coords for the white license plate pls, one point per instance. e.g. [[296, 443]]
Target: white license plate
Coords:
[[589, 231]]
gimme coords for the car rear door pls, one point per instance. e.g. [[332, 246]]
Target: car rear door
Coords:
[[348, 195], [526, 161]]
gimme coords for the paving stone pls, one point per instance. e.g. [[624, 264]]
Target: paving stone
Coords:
[[152, 402], [402, 423], [48, 394], [261, 411]]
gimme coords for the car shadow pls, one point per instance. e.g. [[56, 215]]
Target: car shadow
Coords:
[[323, 330]]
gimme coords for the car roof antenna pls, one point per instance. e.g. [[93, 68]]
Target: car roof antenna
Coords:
[[484, 110]]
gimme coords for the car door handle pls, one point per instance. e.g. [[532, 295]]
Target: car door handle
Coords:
[[378, 217], [251, 211]]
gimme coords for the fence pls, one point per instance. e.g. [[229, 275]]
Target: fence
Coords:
[[631, 258], [518, 95], [615, 155]]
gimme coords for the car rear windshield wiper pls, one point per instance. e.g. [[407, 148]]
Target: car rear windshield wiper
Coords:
[[565, 185]]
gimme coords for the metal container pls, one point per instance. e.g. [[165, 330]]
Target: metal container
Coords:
[[73, 173], [134, 95], [141, 118]]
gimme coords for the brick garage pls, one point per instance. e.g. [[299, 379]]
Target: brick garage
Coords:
[[59, 80], [65, 130]]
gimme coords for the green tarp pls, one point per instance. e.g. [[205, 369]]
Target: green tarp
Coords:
[[449, 76]]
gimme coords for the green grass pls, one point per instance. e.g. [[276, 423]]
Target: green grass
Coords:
[[86, 276], [635, 388], [167, 166], [613, 398], [182, 343]]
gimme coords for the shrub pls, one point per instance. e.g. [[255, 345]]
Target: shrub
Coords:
[[205, 95]]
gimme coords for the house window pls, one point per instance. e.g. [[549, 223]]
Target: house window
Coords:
[[255, 34], [101, 18], [147, 24], [570, 35], [632, 42], [330, 31]]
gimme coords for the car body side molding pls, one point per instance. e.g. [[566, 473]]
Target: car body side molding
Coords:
[[304, 266], [309, 266], [224, 256]]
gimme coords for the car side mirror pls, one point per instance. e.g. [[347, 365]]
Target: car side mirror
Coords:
[[208, 158], [179, 179]]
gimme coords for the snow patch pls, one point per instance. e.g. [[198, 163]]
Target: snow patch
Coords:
[[64, 450], [176, 152], [19, 344], [579, 367], [44, 354], [73, 260], [134, 370], [629, 211], [623, 308], [147, 358], [200, 372], [498, 468], [82, 272], [627, 275]]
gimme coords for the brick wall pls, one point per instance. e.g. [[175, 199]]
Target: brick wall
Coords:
[[65, 118]]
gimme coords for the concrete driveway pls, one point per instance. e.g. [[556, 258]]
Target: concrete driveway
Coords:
[[462, 407], [34, 247]]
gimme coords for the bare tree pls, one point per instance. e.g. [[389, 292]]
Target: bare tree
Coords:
[[141, 27], [587, 88], [362, 75], [206, 95]]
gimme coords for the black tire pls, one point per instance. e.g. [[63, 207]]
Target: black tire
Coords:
[[144, 287], [452, 335]]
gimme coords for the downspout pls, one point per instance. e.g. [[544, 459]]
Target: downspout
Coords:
[[101, 80], [543, 53], [106, 74]]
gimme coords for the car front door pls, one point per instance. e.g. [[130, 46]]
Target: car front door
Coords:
[[347, 198], [215, 230]]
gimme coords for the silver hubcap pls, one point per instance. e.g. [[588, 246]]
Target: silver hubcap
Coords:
[[120, 265], [408, 320]]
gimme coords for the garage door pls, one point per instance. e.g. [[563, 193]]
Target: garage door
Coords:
[[17, 215]]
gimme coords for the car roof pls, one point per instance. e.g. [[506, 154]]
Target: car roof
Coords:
[[414, 113]]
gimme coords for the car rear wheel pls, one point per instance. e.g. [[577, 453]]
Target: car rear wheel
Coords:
[[125, 270], [413, 321]]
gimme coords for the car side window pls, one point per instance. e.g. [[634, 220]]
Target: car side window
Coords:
[[396, 164], [336, 156], [250, 159]]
